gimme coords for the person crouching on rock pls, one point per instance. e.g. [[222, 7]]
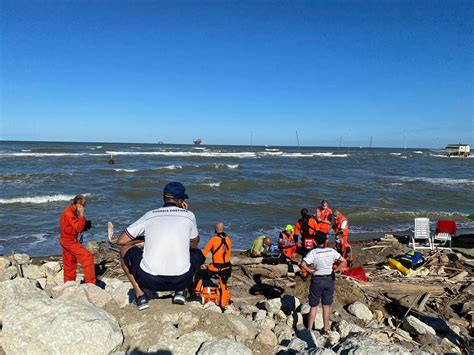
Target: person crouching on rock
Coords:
[[323, 279], [72, 223], [170, 258], [220, 246]]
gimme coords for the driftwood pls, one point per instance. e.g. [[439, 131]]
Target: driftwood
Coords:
[[422, 303], [376, 247], [403, 287]]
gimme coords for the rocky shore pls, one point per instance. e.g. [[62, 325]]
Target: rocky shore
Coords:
[[429, 312]]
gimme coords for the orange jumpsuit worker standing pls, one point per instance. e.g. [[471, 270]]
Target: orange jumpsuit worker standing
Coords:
[[324, 216], [72, 223]]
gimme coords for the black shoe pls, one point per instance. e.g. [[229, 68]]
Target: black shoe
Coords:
[[179, 297], [142, 302]]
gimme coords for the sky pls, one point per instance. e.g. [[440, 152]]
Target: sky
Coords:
[[236, 72]]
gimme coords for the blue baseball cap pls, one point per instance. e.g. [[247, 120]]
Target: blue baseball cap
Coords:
[[176, 189]]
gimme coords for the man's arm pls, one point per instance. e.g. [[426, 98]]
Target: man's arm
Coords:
[[193, 243], [340, 264], [77, 223], [124, 239], [305, 266]]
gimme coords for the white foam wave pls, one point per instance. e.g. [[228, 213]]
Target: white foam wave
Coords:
[[233, 166], [99, 147], [397, 184], [396, 154], [170, 167], [272, 150], [37, 199], [403, 157], [312, 155], [189, 154], [418, 152], [445, 156], [271, 153], [126, 170], [26, 150], [438, 181], [213, 184], [29, 154], [199, 148]]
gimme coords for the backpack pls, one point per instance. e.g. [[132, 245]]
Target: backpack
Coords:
[[412, 259]]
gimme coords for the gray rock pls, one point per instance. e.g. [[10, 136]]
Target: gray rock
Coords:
[[469, 289], [243, 327], [283, 333], [223, 346], [41, 283], [248, 309], [230, 309], [280, 316], [9, 273], [266, 323], [259, 315], [187, 321], [52, 267], [308, 337], [59, 278], [364, 346], [345, 328], [169, 331], [88, 293], [360, 311], [415, 326], [18, 289], [305, 308], [289, 304], [272, 305], [33, 272], [122, 292], [267, 337], [184, 345], [22, 259], [47, 326], [324, 351], [333, 337], [211, 306], [297, 345], [5, 262], [294, 320]]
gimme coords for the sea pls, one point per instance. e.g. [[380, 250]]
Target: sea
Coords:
[[254, 190]]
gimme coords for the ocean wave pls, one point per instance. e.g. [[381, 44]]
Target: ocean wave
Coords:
[[437, 181], [189, 154], [272, 150], [233, 166], [126, 170], [37, 199], [312, 155], [169, 167], [395, 154], [418, 152], [39, 155], [26, 150], [272, 153], [212, 184], [403, 157]]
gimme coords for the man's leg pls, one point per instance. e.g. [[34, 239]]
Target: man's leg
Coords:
[[326, 316], [311, 317], [86, 259], [123, 250], [69, 265]]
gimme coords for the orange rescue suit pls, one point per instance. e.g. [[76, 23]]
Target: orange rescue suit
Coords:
[[288, 244], [323, 215], [338, 229], [71, 226], [220, 248]]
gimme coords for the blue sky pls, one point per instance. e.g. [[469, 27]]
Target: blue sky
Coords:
[[143, 71]]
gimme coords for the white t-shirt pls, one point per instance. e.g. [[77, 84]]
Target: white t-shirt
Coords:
[[168, 231], [322, 260]]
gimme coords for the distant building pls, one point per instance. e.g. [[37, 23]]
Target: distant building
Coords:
[[458, 150]]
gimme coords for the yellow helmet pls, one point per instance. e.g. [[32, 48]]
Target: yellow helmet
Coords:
[[289, 228]]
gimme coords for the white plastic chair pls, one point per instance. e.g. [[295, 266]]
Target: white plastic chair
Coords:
[[440, 240], [422, 237]]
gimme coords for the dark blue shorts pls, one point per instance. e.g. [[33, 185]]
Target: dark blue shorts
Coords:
[[133, 258], [321, 289]]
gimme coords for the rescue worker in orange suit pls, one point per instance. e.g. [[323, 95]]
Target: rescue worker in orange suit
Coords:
[[307, 227], [324, 217], [73, 223], [220, 246], [288, 243], [341, 232]]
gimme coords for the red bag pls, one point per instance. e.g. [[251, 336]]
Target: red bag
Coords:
[[357, 273]]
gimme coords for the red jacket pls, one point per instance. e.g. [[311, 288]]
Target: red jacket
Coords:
[[71, 225]]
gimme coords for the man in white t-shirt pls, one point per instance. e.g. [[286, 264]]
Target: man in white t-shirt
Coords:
[[170, 258], [319, 263]]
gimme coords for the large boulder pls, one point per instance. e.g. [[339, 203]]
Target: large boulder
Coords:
[[272, 305], [187, 321], [283, 333], [244, 328], [88, 293], [223, 346], [17, 290], [52, 267], [5, 262], [9, 273], [297, 345], [47, 326], [184, 345], [33, 272], [345, 328], [121, 292], [363, 346], [360, 311], [22, 259], [416, 327], [267, 337]]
